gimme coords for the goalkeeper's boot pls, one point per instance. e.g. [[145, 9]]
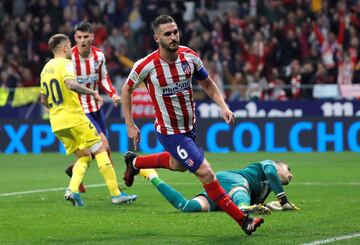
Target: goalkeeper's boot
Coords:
[[69, 173], [74, 198], [130, 171], [148, 173], [249, 225], [123, 198]]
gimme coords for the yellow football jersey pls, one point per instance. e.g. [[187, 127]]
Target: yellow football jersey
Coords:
[[65, 110]]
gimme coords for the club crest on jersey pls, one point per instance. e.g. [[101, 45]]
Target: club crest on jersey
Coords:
[[186, 67]]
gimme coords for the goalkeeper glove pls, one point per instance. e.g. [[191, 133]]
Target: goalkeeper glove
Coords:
[[258, 209], [285, 204], [276, 206], [289, 206]]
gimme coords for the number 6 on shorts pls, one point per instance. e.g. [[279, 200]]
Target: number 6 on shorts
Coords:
[[182, 152]]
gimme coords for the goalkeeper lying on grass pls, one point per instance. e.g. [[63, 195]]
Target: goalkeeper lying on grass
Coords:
[[248, 188]]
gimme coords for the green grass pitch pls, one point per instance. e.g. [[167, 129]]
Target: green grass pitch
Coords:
[[326, 186]]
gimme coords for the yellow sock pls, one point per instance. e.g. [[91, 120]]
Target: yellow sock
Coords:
[[79, 171], [107, 171]]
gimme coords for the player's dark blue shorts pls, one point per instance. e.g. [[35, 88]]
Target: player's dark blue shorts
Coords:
[[98, 119], [183, 148]]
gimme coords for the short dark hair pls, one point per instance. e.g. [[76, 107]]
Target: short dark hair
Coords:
[[84, 27], [56, 40], [161, 19]]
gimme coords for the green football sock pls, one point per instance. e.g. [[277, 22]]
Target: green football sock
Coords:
[[156, 181], [175, 198]]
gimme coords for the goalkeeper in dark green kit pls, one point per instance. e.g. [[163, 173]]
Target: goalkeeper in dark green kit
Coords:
[[248, 188]]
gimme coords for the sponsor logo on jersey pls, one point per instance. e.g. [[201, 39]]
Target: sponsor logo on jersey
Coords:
[[92, 78], [176, 88]]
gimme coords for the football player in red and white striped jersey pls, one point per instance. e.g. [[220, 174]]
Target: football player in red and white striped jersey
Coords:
[[167, 74], [90, 68]]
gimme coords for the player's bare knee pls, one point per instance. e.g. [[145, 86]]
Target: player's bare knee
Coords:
[[205, 174], [106, 145], [83, 153], [97, 148], [204, 203]]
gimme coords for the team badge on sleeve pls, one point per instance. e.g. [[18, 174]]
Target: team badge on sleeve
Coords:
[[134, 76]]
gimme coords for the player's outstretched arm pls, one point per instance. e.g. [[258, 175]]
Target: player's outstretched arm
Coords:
[[132, 130], [81, 89], [78, 88], [214, 93]]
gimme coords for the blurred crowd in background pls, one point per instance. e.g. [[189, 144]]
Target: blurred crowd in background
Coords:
[[254, 49]]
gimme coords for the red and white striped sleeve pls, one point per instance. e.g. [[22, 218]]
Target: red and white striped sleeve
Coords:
[[104, 80], [139, 71]]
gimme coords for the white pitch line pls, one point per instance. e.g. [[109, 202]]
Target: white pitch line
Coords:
[[333, 239], [171, 183], [327, 184], [42, 190]]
